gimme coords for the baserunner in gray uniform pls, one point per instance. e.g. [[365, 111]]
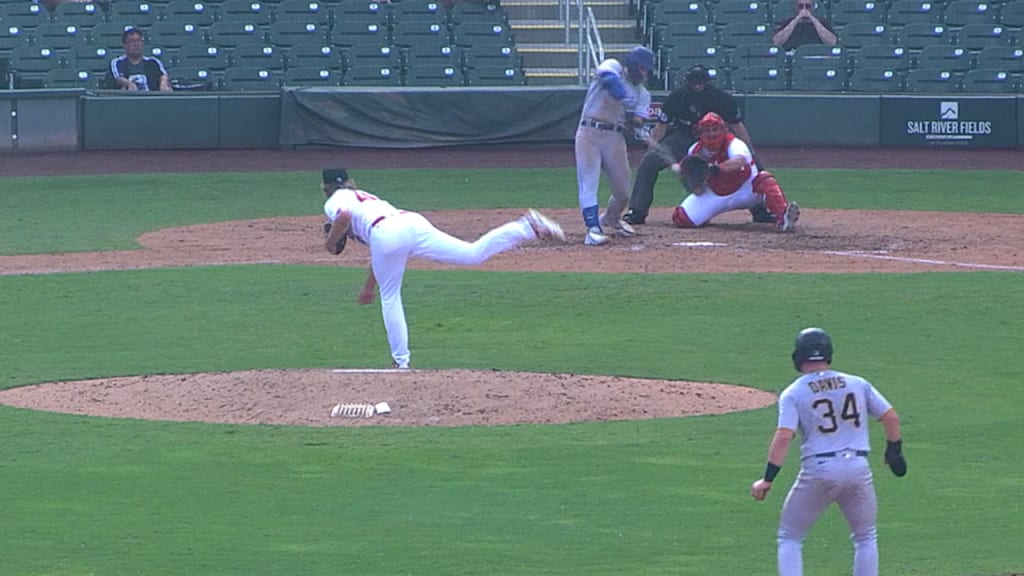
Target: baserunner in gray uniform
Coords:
[[616, 101], [831, 410]]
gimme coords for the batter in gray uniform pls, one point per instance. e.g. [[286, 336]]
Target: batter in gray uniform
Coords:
[[831, 411], [616, 101]]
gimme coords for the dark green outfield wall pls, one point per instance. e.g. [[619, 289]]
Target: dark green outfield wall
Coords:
[[32, 120]]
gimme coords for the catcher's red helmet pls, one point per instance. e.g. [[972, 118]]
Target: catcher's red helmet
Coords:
[[711, 130]]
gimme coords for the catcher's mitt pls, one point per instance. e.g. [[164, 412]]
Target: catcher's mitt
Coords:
[[894, 458], [339, 246], [693, 173]]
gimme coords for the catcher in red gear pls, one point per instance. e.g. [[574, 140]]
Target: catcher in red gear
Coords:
[[732, 181]]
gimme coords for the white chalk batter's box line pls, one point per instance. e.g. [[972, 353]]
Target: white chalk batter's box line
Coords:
[[882, 256], [876, 255], [370, 370]]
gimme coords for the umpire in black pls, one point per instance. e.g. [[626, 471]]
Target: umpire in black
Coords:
[[673, 135]]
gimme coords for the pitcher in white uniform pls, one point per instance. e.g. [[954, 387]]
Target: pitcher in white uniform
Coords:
[[830, 409], [394, 235]]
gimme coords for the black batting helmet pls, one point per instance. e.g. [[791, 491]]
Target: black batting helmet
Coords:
[[812, 344]]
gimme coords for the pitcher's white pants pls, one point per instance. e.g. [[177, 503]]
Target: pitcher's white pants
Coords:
[[398, 237]]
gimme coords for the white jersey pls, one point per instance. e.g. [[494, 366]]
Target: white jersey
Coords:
[[831, 410], [365, 208]]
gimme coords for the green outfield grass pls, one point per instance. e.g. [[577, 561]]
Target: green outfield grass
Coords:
[[87, 495]]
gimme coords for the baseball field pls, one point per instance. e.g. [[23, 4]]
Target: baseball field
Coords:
[[174, 337]]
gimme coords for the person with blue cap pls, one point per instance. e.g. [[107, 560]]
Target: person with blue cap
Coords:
[[617, 100]]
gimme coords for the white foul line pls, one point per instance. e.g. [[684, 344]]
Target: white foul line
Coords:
[[923, 260], [370, 370]]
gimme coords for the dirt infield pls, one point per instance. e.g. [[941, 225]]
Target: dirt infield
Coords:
[[827, 241]]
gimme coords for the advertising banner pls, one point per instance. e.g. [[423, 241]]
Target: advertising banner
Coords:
[[966, 121]]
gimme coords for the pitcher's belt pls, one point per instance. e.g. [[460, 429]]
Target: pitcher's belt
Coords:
[[601, 125], [841, 452]]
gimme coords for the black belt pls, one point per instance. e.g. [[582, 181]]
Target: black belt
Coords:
[[601, 125], [834, 454]]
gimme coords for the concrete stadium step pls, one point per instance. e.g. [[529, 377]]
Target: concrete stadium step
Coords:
[[552, 31], [549, 9]]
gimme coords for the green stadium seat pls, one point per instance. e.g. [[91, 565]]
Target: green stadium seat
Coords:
[[725, 12], [434, 75], [13, 36], [820, 56], [856, 35], [24, 15], [903, 12], [883, 57], [661, 14], [228, 34], [684, 33], [736, 33], [312, 76], [462, 12], [990, 81], [174, 35], [953, 58], [430, 11], [917, 35], [963, 12], [258, 55], [1002, 58], [759, 79], [138, 13], [433, 55], [85, 15], [474, 32], [407, 33], [372, 76], [314, 54], [285, 33], [251, 11], [848, 12], [306, 10], [763, 54], [250, 79], [57, 35], [195, 78], [351, 32], [71, 78], [203, 56], [95, 59], [818, 79], [933, 81], [108, 35], [495, 76], [378, 55], [1012, 15], [188, 11], [979, 36], [875, 79]]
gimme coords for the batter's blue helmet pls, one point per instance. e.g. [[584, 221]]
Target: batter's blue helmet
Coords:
[[640, 56], [811, 345]]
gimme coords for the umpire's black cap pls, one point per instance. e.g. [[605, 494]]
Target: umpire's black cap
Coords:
[[335, 175], [697, 73]]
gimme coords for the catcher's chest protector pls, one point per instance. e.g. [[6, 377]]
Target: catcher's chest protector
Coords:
[[723, 184]]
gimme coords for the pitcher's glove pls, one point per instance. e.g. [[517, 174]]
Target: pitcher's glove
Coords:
[[894, 458], [693, 173], [339, 246]]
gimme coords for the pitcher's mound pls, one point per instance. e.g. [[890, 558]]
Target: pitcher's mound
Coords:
[[416, 397]]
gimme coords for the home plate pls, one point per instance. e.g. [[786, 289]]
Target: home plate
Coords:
[[369, 370], [699, 244]]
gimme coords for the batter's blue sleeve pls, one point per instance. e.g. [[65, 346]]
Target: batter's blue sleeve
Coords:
[[613, 83]]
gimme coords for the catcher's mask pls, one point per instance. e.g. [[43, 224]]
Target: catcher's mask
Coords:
[[711, 131], [639, 62], [812, 344]]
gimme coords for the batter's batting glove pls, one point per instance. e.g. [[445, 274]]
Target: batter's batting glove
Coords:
[[894, 458]]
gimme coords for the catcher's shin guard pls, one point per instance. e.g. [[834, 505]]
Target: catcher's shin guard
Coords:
[[681, 219], [766, 185]]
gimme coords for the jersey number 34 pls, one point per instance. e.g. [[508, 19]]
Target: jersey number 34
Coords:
[[830, 420]]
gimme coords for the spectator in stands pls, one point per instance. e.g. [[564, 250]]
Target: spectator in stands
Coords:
[[673, 135], [134, 70], [804, 28]]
